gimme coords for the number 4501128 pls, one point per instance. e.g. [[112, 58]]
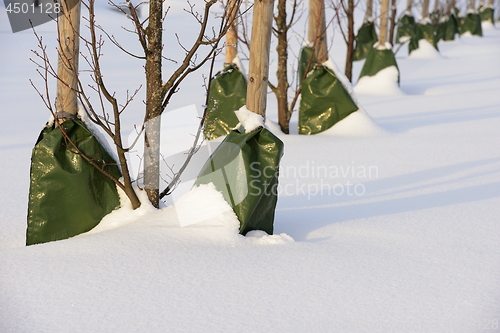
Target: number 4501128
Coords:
[[24, 8]]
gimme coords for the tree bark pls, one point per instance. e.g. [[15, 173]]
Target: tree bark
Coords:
[[369, 11], [393, 21], [408, 6], [258, 71], [384, 11], [317, 29], [350, 39], [232, 34], [69, 51], [425, 9], [284, 113], [154, 100]]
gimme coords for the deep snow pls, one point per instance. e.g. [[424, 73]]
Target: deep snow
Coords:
[[388, 222]]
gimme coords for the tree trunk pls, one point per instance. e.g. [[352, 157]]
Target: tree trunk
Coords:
[[408, 6], [350, 39], [393, 21], [258, 71], [384, 11], [232, 34], [449, 7], [69, 51], [472, 4], [153, 103], [284, 113], [369, 11], [425, 9], [317, 29]]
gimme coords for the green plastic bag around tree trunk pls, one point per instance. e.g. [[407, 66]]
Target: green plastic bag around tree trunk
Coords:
[[429, 34], [449, 28], [324, 101], [487, 14], [367, 36], [377, 60], [68, 196], [305, 58], [405, 28], [416, 35], [441, 30], [472, 24], [244, 167], [228, 91]]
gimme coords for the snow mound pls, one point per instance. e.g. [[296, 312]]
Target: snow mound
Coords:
[[248, 119], [357, 124], [274, 127], [487, 25], [385, 82], [125, 214], [201, 204], [262, 238], [425, 51]]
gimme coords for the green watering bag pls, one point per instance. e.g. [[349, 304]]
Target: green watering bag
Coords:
[[429, 34], [487, 14], [378, 60], [228, 91], [68, 196], [367, 36], [244, 167], [472, 24], [405, 28], [324, 101], [448, 29], [304, 60]]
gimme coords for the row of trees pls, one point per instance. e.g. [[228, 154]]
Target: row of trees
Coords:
[[103, 107]]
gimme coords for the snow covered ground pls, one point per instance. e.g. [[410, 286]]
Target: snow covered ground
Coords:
[[388, 222]]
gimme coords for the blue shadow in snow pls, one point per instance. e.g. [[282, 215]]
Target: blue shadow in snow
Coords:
[[299, 215]]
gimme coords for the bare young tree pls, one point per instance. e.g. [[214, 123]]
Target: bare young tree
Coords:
[[345, 18], [158, 92], [281, 31], [281, 88], [393, 20]]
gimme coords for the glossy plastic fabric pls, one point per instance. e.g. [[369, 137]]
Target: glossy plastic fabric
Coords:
[[245, 169], [68, 196], [228, 91], [405, 27], [323, 102], [487, 14], [429, 33], [416, 35], [448, 29], [305, 56], [472, 24], [367, 36], [378, 60]]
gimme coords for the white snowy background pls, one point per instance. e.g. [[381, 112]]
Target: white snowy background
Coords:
[[388, 222]]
